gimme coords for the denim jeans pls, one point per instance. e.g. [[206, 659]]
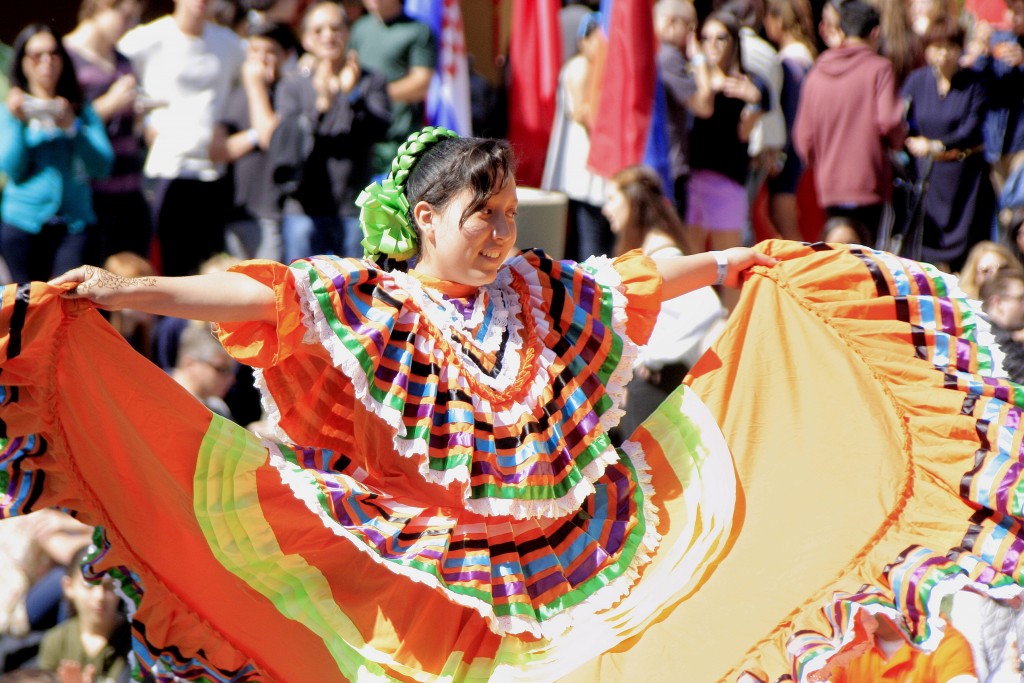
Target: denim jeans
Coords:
[[40, 256], [308, 235]]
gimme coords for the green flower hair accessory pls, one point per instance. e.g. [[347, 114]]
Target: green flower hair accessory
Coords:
[[384, 208], [384, 218]]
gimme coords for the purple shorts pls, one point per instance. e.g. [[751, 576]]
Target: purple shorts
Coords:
[[715, 202]]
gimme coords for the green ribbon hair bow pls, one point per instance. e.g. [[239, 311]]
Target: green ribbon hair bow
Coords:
[[384, 208], [384, 215]]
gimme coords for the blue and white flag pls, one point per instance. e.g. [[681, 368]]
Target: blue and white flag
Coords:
[[448, 102]]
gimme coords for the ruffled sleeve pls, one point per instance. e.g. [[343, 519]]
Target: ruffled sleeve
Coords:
[[260, 344], [641, 283]]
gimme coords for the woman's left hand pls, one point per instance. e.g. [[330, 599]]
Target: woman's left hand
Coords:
[[919, 146], [742, 259], [741, 88]]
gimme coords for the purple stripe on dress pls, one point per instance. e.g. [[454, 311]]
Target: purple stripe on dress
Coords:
[[375, 539], [1000, 390], [423, 552], [986, 575], [1012, 419], [1006, 485], [913, 580], [13, 446], [504, 590], [588, 422], [963, 355], [587, 293], [1012, 557], [947, 316], [923, 282], [476, 576], [463, 439], [546, 583], [587, 568]]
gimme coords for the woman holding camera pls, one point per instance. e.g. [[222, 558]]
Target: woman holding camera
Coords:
[[51, 144]]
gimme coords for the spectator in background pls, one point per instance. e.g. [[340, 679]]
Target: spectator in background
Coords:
[[93, 645], [340, 110], [849, 117], [391, 43], [896, 41], [923, 14], [230, 14], [945, 113], [828, 28], [1002, 298], [570, 16], [675, 24], [123, 220], [35, 551], [204, 368], [767, 140], [565, 166], [353, 10], [1014, 238], [788, 24], [844, 230], [242, 137], [726, 107], [283, 12], [6, 56], [642, 218], [191, 65], [1003, 63], [52, 144], [983, 261], [135, 326]]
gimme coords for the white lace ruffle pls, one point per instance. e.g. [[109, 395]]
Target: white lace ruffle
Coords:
[[452, 374]]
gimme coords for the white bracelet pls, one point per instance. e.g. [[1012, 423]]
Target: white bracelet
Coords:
[[253, 137], [722, 263]]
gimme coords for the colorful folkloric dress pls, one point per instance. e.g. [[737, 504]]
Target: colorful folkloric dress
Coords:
[[460, 513]]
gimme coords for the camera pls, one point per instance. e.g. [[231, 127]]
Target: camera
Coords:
[[35, 108]]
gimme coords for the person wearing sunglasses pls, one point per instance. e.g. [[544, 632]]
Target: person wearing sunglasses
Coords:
[[726, 105], [51, 144]]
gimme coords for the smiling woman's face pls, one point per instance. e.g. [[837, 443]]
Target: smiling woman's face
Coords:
[[717, 44], [472, 252]]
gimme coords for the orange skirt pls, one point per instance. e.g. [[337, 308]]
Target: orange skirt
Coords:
[[875, 468]]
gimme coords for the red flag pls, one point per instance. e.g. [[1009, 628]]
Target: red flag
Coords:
[[535, 57], [626, 99]]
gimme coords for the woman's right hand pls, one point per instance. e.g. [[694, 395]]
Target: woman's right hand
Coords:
[[101, 287]]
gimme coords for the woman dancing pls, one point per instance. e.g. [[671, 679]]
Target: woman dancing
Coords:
[[459, 513], [465, 405]]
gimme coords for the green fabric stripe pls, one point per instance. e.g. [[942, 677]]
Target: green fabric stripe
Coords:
[[227, 508]]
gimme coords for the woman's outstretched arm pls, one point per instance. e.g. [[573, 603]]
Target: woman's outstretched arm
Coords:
[[682, 274], [215, 297]]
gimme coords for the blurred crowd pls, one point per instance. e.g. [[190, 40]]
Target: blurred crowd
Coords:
[[237, 129]]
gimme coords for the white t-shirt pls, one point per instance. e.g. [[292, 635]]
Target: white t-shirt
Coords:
[[687, 325], [194, 76]]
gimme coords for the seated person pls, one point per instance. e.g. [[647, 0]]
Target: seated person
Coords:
[[94, 644], [1002, 298], [204, 367]]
